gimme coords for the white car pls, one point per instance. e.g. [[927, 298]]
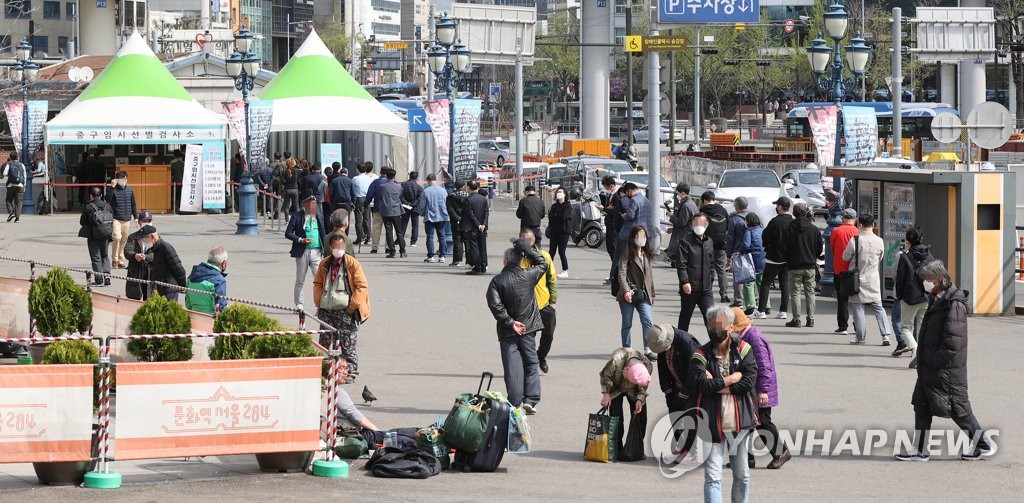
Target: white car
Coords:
[[760, 186], [642, 135]]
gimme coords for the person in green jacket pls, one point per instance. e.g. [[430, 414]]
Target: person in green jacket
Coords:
[[208, 277]]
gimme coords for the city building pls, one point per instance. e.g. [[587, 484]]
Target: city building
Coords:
[[51, 23], [415, 28]]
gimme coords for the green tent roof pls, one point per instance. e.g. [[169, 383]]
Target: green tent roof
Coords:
[[313, 71], [135, 71]]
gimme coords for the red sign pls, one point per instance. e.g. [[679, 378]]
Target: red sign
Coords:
[[790, 26]]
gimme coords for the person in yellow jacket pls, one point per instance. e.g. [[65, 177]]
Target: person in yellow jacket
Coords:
[[546, 292]]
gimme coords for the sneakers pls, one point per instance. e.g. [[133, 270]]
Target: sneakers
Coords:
[[736, 303], [885, 340], [842, 331], [781, 316], [749, 311], [430, 260], [298, 307], [912, 455], [529, 409], [651, 355], [809, 323], [901, 348], [758, 315], [402, 255], [563, 274], [725, 298], [374, 250], [855, 340], [440, 260], [455, 264], [794, 323], [414, 245]]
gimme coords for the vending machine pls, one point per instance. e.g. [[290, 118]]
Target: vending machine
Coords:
[[896, 217]]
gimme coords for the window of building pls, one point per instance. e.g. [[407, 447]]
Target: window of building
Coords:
[[62, 45], [140, 14], [40, 43], [69, 10], [386, 29], [386, 5], [51, 10], [129, 12], [17, 8]]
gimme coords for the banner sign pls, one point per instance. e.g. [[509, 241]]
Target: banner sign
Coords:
[[45, 413], [37, 113], [708, 11], [128, 135], [235, 112], [860, 128], [15, 111], [175, 409], [438, 117], [822, 120], [261, 114], [467, 136], [330, 153], [191, 187], [213, 176]]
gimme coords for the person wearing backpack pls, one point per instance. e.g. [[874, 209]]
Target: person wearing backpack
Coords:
[[674, 348], [97, 223], [15, 175], [718, 225], [122, 202], [910, 291]]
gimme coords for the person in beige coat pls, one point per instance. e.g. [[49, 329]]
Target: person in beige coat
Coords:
[[865, 252]]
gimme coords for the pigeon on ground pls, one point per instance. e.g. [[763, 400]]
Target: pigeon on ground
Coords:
[[368, 397]]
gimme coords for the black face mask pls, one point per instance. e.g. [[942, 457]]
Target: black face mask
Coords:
[[717, 336]]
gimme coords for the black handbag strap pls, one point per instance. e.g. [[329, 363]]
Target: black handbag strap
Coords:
[[856, 250]]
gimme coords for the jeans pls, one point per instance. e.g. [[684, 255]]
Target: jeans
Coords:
[[547, 335], [772, 271], [559, 242], [860, 327], [122, 229], [896, 322], [309, 260], [801, 284], [15, 200], [99, 256], [737, 450], [750, 292], [411, 216], [646, 320], [720, 259], [362, 220], [522, 374], [842, 306], [378, 225], [697, 298], [968, 423], [393, 231], [476, 249], [914, 315], [436, 228]]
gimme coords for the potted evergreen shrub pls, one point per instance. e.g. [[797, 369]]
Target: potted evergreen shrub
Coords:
[[281, 346], [161, 316], [239, 318], [65, 473], [59, 306]]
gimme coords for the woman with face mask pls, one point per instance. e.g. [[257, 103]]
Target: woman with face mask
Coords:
[[636, 286], [559, 226], [342, 300]]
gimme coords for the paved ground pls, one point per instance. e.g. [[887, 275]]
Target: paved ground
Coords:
[[431, 335]]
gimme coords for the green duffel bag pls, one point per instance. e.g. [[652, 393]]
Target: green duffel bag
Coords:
[[466, 425], [351, 447], [431, 439]]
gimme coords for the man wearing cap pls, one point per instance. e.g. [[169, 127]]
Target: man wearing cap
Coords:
[[674, 348], [774, 240], [841, 237], [165, 266], [139, 259], [122, 203], [531, 213], [307, 233]]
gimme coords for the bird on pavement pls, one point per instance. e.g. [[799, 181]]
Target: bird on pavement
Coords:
[[368, 397]]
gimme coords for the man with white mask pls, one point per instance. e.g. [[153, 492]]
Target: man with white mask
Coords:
[[695, 266], [122, 201], [139, 257]]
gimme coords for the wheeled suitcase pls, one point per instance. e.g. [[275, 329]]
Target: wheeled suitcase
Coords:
[[489, 456]]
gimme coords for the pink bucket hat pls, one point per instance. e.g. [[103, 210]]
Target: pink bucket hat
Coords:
[[637, 373]]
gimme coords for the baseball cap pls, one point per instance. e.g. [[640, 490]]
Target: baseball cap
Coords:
[[145, 216], [849, 214], [309, 198], [147, 230], [783, 201]]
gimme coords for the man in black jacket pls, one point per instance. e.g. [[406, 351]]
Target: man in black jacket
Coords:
[[97, 235], [682, 214], [803, 247], [474, 227], [718, 225], [675, 349], [166, 266], [513, 303], [139, 259], [455, 203], [531, 213], [122, 203], [774, 240], [411, 195], [694, 266], [343, 193], [910, 293]]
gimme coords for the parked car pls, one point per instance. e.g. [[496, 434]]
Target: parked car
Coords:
[[491, 153], [577, 168], [640, 178], [642, 135], [807, 187], [552, 175], [759, 186]]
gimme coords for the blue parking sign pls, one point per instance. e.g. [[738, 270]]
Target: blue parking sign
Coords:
[[418, 120], [495, 89], [708, 11]]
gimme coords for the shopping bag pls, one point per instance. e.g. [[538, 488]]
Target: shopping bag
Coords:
[[519, 438], [633, 449], [602, 437], [466, 424], [743, 269]]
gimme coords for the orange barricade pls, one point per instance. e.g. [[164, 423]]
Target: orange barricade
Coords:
[[45, 413]]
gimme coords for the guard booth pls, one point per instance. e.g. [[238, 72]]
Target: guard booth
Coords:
[[967, 217]]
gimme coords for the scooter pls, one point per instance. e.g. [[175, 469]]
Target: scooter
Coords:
[[587, 221]]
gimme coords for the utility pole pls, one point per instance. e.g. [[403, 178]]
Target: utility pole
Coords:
[[654, 143], [629, 78], [671, 102], [897, 82], [696, 90], [519, 115]]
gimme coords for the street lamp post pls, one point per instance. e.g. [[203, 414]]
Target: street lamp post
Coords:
[[25, 70], [243, 66], [818, 55], [449, 61]]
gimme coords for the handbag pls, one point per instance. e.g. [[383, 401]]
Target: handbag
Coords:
[[633, 450], [849, 280], [743, 269], [337, 293], [602, 443], [465, 427], [520, 440]]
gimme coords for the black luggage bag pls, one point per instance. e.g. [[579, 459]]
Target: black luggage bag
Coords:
[[489, 456]]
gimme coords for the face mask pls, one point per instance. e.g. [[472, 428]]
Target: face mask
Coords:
[[560, 196], [929, 286], [146, 245], [699, 230], [338, 252], [641, 242], [121, 182], [717, 336]]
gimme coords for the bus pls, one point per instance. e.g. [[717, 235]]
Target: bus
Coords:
[[917, 118]]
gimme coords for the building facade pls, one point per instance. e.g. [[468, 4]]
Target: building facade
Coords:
[[50, 21]]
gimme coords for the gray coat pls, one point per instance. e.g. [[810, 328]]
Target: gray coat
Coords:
[[390, 193], [872, 248]]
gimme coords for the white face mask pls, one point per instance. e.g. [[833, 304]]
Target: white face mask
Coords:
[[560, 196], [146, 245], [640, 241], [121, 182], [929, 286], [338, 252], [699, 230]]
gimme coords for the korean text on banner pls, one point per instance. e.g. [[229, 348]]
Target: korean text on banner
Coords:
[[45, 413], [439, 120], [822, 120], [860, 128], [174, 409], [213, 176], [235, 112], [192, 183], [37, 111], [260, 116], [15, 114], [708, 11], [467, 134], [330, 153]]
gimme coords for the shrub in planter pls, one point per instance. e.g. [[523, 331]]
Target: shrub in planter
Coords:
[[59, 305], [70, 353], [239, 318], [280, 346], [161, 316], [67, 472]]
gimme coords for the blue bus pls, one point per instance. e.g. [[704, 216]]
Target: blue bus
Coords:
[[917, 118]]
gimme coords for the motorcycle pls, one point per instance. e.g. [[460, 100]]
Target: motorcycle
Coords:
[[587, 222]]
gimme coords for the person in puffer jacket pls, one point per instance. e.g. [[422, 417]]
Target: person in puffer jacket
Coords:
[[208, 276], [767, 389]]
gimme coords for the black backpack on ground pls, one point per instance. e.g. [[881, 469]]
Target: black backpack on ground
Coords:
[[396, 463], [102, 222]]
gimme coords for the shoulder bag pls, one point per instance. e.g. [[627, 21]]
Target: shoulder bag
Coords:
[[849, 280], [336, 293]]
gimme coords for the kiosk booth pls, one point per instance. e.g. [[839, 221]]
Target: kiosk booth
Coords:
[[967, 217]]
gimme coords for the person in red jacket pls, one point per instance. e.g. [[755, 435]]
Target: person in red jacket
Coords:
[[841, 237]]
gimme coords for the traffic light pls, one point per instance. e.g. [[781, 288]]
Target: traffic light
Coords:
[[730, 62], [763, 62], [665, 73], [709, 50]]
